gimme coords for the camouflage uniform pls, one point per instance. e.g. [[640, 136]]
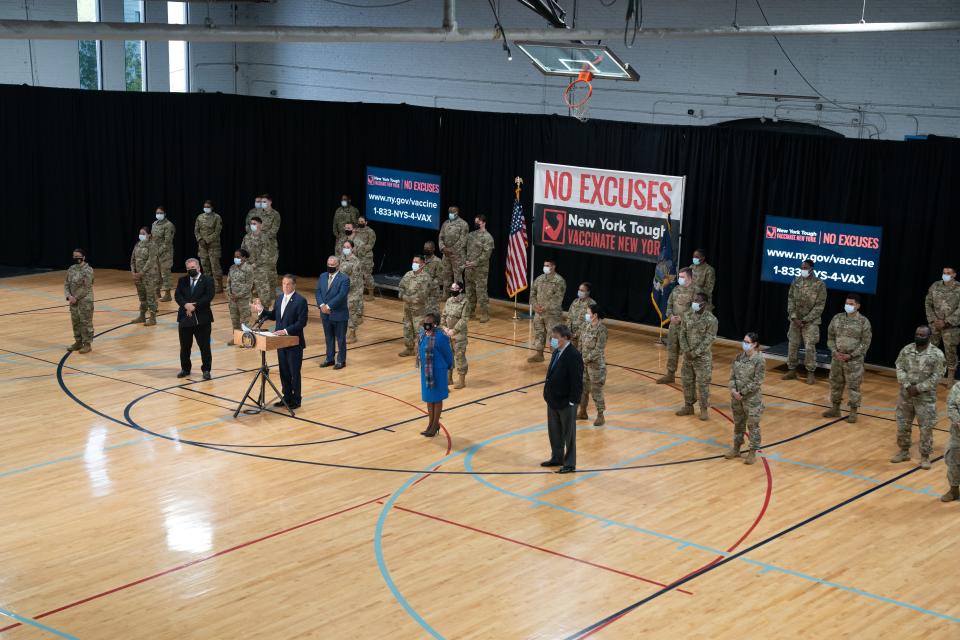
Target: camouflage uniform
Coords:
[[479, 249], [240, 282], [455, 317], [697, 333], [145, 261], [746, 378], [350, 266], [547, 291], [162, 233], [578, 309], [943, 303], [850, 334], [264, 276], [704, 279], [453, 244], [923, 369], [593, 342], [341, 217], [805, 303], [951, 457], [369, 239], [433, 270], [677, 305], [414, 291], [79, 284], [271, 252], [207, 231]]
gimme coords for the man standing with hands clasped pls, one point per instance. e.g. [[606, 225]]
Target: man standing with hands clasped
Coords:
[[194, 294], [562, 391], [333, 288], [805, 302], [919, 367]]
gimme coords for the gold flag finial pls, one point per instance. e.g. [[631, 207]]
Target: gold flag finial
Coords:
[[518, 181]]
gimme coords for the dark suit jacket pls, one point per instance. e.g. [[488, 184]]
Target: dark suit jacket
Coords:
[[202, 296], [564, 383], [294, 317], [335, 296]]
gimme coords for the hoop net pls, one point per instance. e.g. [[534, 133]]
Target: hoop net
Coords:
[[577, 95]]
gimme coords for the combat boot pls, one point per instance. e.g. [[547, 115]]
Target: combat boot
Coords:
[[599, 422], [832, 412], [686, 411], [666, 378], [231, 342], [151, 320], [789, 375], [352, 336], [704, 412], [461, 381], [734, 451], [219, 288], [811, 377], [950, 496], [536, 357], [751, 457], [85, 348], [449, 376], [75, 346], [924, 462], [902, 456], [166, 296], [484, 316], [853, 415], [950, 378], [406, 352], [140, 318], [582, 411]]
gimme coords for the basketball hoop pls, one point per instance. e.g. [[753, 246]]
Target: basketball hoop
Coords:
[[577, 95]]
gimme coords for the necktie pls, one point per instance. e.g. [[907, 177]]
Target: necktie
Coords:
[[553, 360], [330, 280], [193, 283]]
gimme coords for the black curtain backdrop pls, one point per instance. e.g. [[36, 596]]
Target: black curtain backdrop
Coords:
[[88, 168]]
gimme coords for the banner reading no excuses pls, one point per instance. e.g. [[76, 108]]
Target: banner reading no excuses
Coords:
[[612, 213]]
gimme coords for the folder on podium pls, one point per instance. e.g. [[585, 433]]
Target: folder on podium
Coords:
[[262, 342]]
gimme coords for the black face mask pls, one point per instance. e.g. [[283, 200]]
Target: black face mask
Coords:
[[192, 273], [361, 224], [454, 292], [921, 342], [427, 253], [428, 326], [331, 269], [78, 260]]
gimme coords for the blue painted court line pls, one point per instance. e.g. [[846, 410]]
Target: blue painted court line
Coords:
[[38, 625]]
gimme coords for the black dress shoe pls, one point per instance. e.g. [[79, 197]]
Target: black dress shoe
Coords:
[[327, 364], [206, 375], [183, 374], [279, 405], [339, 365], [550, 463], [567, 469], [295, 406]]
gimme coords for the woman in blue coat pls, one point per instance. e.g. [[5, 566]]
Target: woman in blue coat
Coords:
[[434, 358]]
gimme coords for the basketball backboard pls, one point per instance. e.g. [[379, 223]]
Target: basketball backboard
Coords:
[[570, 59]]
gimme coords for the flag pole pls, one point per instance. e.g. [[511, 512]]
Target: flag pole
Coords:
[[517, 181]]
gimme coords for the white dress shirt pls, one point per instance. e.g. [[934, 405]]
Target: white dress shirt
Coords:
[[283, 304]]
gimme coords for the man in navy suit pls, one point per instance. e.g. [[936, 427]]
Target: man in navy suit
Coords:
[[562, 390], [332, 290], [290, 312]]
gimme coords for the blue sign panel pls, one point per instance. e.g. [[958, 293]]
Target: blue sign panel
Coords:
[[403, 197]]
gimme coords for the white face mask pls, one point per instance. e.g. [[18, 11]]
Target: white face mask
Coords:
[[415, 266], [253, 227], [696, 261], [347, 251], [581, 294], [344, 203], [947, 277], [849, 308], [747, 346], [696, 306], [237, 261], [265, 205], [682, 280], [142, 237], [207, 209], [805, 273], [546, 270], [451, 215], [588, 317], [256, 205], [161, 216]]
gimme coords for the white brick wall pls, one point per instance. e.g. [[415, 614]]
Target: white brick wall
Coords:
[[35, 62]]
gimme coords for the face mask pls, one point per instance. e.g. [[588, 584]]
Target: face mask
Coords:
[[349, 232], [849, 308], [546, 270], [331, 269], [361, 224], [428, 252], [454, 292], [451, 215], [696, 306], [921, 342], [554, 343], [161, 216], [142, 237], [682, 280], [78, 260], [696, 261], [256, 205], [344, 203], [415, 266], [192, 273], [207, 209], [805, 273], [237, 261], [588, 317], [428, 326], [266, 205], [476, 223], [581, 294], [947, 278], [253, 227], [747, 346], [347, 251]]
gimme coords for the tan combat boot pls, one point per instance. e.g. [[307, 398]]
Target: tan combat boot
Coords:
[[352, 336], [85, 348], [599, 422], [686, 411], [140, 318], [484, 316], [461, 381], [219, 288], [666, 378], [151, 320], [950, 496], [449, 376], [853, 415], [166, 296], [832, 412], [902, 456], [704, 412], [924, 462], [789, 375], [950, 380], [582, 410], [536, 357], [751, 457], [734, 451], [407, 351], [811, 377], [75, 346]]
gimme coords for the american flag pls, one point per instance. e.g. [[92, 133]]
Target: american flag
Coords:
[[517, 252]]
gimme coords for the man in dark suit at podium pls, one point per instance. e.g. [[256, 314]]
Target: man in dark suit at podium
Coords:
[[290, 313], [194, 294], [562, 391], [332, 289]]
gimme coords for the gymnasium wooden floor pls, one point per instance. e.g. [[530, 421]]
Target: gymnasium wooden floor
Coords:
[[135, 506]]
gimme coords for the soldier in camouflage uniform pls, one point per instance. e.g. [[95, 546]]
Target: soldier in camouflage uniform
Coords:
[[433, 269], [698, 330], [951, 457], [345, 213], [479, 249], [271, 227], [207, 231], [593, 347], [359, 242], [919, 368], [414, 290], [746, 379], [805, 302], [577, 311], [162, 233], [943, 315], [454, 323], [677, 305], [240, 281], [453, 244], [365, 252], [78, 291], [350, 266], [145, 267], [546, 297], [264, 282], [848, 338], [704, 276]]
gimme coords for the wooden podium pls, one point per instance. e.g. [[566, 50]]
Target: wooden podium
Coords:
[[263, 344]]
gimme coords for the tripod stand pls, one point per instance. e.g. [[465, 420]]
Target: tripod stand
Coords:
[[264, 344]]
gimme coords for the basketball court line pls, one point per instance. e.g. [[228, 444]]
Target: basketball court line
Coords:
[[22, 620]]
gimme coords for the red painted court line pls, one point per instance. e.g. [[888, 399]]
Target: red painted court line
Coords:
[[197, 561], [533, 546]]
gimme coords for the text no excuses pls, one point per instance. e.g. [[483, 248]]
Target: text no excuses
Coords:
[[595, 191]]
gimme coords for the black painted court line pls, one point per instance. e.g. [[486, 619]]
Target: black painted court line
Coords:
[[64, 306]]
